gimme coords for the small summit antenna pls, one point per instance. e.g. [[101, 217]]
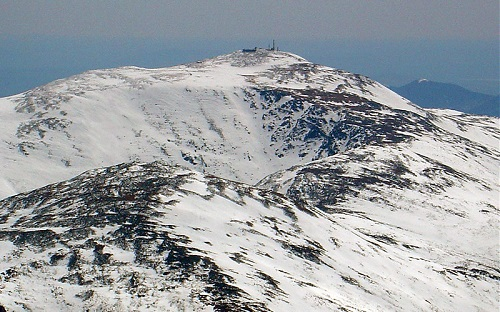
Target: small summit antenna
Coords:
[[274, 48]]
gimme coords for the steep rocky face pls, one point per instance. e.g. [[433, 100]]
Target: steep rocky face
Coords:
[[314, 124]]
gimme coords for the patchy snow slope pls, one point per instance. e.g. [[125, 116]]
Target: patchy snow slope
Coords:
[[154, 237]]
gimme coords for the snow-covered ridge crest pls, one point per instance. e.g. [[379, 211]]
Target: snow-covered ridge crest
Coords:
[[138, 77], [253, 58], [264, 68]]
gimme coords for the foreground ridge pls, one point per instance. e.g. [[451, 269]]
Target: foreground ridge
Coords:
[[168, 238]]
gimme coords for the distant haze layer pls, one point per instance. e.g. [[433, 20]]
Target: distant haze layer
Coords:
[[27, 62]]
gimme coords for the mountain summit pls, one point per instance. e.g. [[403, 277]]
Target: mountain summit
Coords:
[[252, 181], [241, 116]]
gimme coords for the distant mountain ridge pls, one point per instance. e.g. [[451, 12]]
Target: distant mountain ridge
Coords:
[[432, 94]]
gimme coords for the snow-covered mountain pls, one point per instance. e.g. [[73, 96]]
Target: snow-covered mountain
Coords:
[[241, 116], [361, 201]]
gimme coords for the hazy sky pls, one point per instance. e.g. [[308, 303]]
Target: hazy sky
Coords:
[[389, 40], [258, 19]]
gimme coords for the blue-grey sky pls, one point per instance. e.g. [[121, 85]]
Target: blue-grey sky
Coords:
[[393, 41], [256, 19]]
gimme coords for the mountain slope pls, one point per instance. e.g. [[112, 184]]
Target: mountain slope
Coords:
[[433, 94], [156, 237], [241, 116], [152, 236]]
